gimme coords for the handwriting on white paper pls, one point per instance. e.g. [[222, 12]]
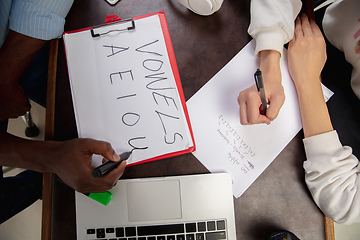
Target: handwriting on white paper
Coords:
[[154, 81], [240, 153]]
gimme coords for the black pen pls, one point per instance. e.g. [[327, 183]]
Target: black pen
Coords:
[[260, 87], [109, 165]]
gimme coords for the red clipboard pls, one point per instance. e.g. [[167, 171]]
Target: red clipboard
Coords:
[[169, 47]]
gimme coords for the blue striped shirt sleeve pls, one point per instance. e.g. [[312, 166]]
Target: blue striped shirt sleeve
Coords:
[[5, 6], [41, 19]]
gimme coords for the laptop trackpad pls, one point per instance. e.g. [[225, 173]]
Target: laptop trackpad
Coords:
[[153, 200]]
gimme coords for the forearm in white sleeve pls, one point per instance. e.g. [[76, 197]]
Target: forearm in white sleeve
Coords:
[[272, 23], [332, 176]]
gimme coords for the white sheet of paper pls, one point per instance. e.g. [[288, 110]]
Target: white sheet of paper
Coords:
[[124, 90], [222, 143]]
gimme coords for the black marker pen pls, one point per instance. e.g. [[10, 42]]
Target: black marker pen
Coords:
[[260, 87], [109, 165]]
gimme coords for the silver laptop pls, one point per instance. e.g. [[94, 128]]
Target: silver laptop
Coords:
[[190, 207]]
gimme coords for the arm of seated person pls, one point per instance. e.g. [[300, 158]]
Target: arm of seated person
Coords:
[[249, 99], [307, 56], [69, 160], [16, 54], [331, 170]]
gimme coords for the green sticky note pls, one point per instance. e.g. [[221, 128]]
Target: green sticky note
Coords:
[[103, 198]]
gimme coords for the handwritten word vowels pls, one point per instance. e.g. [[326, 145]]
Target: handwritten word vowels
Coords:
[[159, 86], [163, 93]]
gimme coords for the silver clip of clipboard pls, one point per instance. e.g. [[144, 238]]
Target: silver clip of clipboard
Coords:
[[96, 35]]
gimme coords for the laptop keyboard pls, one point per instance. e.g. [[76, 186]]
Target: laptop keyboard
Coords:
[[202, 230]]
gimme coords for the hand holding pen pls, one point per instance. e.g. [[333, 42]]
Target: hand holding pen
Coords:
[[109, 165], [105, 197], [71, 162], [252, 99]]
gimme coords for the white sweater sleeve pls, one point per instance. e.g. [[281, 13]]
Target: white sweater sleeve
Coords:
[[333, 177], [272, 23]]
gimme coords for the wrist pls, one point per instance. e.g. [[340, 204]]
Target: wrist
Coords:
[[304, 85], [270, 66], [310, 94], [40, 155]]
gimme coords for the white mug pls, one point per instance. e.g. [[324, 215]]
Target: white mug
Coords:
[[202, 7]]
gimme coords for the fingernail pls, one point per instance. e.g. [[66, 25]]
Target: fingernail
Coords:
[[116, 156]]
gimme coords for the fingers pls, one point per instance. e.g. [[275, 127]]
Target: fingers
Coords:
[[103, 183], [315, 28], [298, 33], [302, 27], [305, 24], [104, 149], [253, 110], [243, 111], [116, 173], [305, 27], [250, 102], [77, 172], [275, 105], [109, 180]]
